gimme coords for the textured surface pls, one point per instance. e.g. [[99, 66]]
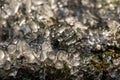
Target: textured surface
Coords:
[[77, 39]]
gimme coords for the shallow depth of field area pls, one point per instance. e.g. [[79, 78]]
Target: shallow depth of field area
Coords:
[[59, 39]]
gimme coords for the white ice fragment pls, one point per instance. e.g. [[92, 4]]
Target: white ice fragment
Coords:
[[59, 64], [11, 49], [38, 2], [14, 6], [28, 6], [63, 56], [2, 55], [43, 57], [33, 26], [52, 55], [47, 11], [46, 47], [29, 55], [76, 63]]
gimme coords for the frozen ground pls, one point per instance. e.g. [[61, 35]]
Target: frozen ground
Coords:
[[60, 39]]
